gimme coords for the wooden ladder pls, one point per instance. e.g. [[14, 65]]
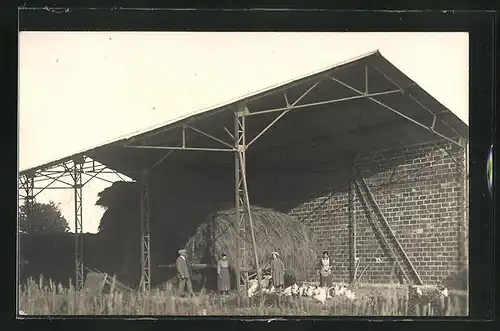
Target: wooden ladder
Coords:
[[385, 233]]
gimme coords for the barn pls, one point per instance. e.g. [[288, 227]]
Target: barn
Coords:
[[372, 163]]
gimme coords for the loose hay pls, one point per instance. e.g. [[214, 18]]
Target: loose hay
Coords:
[[274, 231]]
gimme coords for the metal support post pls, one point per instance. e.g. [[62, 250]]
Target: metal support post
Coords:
[[249, 215], [145, 235], [243, 197], [30, 195], [74, 167], [29, 187], [352, 232], [239, 141], [77, 188]]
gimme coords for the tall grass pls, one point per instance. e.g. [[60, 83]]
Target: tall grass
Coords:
[[39, 298]]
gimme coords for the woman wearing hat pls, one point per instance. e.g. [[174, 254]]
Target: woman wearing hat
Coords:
[[277, 271], [325, 271], [223, 280]]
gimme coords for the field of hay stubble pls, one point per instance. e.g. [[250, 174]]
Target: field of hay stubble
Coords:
[[37, 299]]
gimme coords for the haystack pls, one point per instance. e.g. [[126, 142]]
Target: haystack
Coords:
[[274, 231]]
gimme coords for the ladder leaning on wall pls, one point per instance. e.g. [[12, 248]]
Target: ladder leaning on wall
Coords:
[[384, 231]]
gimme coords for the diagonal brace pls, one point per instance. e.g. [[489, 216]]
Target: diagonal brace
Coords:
[[415, 100], [396, 111], [288, 109], [209, 136], [160, 160], [56, 178]]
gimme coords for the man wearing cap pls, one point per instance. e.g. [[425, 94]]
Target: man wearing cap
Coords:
[[183, 273]]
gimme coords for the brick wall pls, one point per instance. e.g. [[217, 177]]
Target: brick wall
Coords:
[[418, 189]]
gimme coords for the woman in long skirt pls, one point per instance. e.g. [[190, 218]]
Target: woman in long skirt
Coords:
[[277, 271], [325, 271], [223, 279]]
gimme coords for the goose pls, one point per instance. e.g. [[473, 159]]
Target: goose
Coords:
[[290, 290], [339, 290], [350, 294], [310, 291], [252, 287], [444, 293], [321, 294], [302, 290]]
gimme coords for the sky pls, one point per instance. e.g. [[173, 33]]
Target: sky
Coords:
[[78, 90]]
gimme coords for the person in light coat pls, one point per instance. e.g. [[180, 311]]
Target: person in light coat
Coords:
[[277, 271], [325, 271], [183, 273], [223, 279]]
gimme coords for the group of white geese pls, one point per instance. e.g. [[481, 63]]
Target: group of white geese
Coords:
[[322, 294], [318, 293]]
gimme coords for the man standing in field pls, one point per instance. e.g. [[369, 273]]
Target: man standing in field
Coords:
[[183, 273]]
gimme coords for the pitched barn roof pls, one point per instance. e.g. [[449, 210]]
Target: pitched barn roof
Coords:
[[361, 105]]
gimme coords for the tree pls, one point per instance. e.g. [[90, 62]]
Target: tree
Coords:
[[44, 218]]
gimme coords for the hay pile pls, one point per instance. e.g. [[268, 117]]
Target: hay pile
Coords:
[[274, 231]]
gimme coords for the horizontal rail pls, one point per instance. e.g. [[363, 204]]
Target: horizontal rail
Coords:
[[54, 188], [319, 103], [178, 148]]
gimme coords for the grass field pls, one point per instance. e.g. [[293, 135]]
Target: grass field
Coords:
[[38, 299]]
